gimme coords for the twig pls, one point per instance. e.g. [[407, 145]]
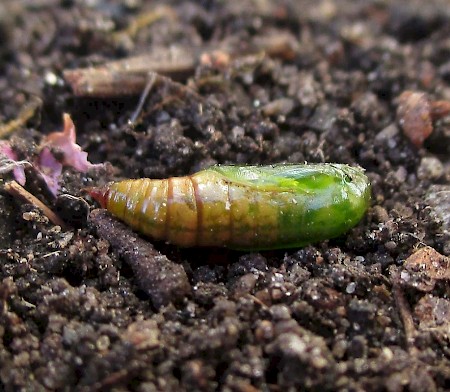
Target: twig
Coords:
[[130, 76], [25, 114], [405, 315], [143, 98], [17, 190], [259, 302], [144, 20], [112, 379]]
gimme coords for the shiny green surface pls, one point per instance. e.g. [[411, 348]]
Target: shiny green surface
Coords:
[[311, 202], [244, 207]]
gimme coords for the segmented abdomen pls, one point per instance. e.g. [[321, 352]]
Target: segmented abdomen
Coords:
[[194, 211]]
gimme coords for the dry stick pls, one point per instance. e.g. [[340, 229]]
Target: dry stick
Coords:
[[171, 86], [143, 98], [17, 190], [145, 19], [175, 90], [111, 379], [405, 315], [25, 114], [130, 76], [258, 301]]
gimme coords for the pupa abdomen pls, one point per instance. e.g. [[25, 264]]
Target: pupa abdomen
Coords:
[[243, 207]]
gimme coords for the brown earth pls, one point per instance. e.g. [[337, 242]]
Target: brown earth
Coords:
[[95, 307]]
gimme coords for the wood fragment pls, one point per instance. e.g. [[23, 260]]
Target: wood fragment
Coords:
[[27, 112], [17, 190], [143, 98], [406, 317], [259, 302], [131, 75], [144, 20], [111, 379]]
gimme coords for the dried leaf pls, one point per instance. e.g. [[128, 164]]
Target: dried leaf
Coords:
[[65, 143], [49, 169], [8, 162]]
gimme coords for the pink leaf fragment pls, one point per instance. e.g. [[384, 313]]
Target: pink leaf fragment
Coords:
[[58, 149], [50, 170], [8, 162], [65, 143]]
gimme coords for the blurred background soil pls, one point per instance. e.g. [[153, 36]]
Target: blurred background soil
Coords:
[[89, 305]]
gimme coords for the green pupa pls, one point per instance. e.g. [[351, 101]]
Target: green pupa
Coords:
[[243, 207]]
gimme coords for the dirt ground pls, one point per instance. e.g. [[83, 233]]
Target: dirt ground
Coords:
[[90, 305]]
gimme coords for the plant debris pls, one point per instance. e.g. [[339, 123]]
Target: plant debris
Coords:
[[97, 307], [27, 112], [9, 162], [17, 190], [46, 164], [63, 144]]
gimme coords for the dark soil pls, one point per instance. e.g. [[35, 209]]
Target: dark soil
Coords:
[[96, 307]]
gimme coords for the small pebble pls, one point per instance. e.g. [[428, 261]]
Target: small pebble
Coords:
[[388, 133], [350, 289], [414, 116], [430, 168], [280, 312], [380, 214], [400, 174], [404, 275], [281, 106], [390, 245]]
